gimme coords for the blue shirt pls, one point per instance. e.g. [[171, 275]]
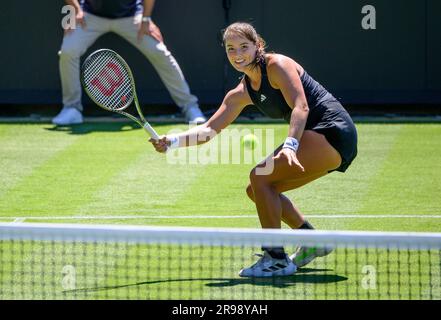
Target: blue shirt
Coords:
[[112, 8]]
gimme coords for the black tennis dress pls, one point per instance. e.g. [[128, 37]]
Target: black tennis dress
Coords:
[[326, 114]]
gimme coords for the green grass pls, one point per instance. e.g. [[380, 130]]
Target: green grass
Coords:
[[109, 169], [181, 272]]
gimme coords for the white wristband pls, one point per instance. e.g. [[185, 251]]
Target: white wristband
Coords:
[[174, 141], [291, 143], [146, 19]]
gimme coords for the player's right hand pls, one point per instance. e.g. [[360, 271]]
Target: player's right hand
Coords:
[[150, 29], [160, 145]]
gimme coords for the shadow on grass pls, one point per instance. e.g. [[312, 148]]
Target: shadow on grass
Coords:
[[90, 127], [304, 276]]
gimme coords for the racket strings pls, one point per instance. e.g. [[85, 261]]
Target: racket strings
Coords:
[[110, 89], [107, 80]]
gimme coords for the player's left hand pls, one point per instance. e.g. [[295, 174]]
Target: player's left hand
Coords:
[[290, 156], [151, 29], [79, 20]]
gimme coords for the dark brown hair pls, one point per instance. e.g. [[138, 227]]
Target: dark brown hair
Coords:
[[247, 31]]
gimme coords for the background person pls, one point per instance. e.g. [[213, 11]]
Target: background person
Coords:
[[130, 19]]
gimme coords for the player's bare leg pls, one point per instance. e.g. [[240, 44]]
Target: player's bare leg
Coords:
[[318, 157]]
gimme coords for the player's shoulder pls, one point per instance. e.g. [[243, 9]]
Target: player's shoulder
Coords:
[[276, 61], [281, 67], [240, 89], [239, 94]]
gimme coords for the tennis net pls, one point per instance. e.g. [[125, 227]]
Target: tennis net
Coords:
[[61, 261]]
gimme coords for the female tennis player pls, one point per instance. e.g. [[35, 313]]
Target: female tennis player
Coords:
[[321, 138]]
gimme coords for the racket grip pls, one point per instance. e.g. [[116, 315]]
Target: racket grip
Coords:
[[151, 131]]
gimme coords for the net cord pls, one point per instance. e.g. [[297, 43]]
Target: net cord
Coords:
[[218, 236]]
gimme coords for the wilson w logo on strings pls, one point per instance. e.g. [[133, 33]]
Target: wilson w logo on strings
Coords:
[[109, 79]]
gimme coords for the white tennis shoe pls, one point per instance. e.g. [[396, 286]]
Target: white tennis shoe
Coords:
[[267, 266], [194, 115], [68, 116], [305, 255]]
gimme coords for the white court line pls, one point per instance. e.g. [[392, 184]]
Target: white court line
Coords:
[[18, 220], [330, 216]]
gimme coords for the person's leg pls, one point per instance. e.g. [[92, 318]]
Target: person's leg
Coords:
[[290, 213], [317, 157], [164, 63], [74, 45]]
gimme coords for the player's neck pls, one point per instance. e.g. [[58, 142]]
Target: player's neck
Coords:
[[254, 75]]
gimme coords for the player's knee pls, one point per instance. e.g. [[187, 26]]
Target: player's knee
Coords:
[[70, 52], [250, 192], [257, 179]]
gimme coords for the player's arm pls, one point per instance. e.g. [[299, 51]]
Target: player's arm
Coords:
[[283, 75], [148, 8], [79, 14], [148, 27], [232, 105], [74, 3]]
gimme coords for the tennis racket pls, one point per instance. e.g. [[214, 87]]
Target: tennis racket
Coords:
[[108, 81]]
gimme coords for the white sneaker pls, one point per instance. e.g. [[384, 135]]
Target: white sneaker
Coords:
[[194, 115], [305, 255], [68, 116], [267, 266]]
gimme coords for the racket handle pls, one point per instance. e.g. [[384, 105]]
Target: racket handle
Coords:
[[151, 131]]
